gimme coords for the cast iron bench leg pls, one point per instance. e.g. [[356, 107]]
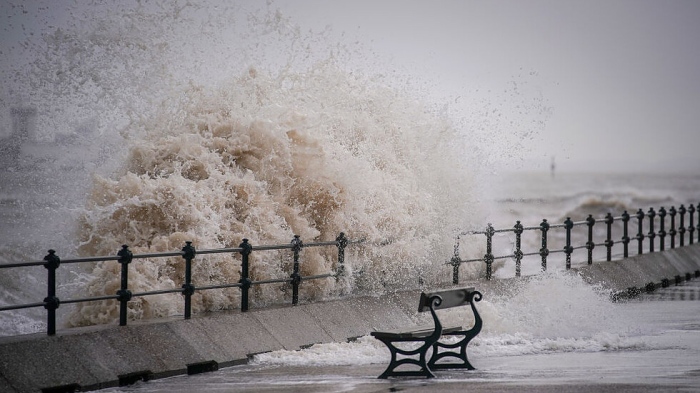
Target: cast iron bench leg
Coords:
[[420, 362], [427, 341], [461, 344]]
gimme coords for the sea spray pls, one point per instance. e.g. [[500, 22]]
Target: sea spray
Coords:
[[268, 157], [14, 283], [553, 304], [549, 313], [181, 139], [190, 148]]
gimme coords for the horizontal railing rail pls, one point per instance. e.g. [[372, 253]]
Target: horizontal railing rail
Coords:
[[568, 225], [52, 262]]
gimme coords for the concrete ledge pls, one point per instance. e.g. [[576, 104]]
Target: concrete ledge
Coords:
[[634, 273], [100, 356]]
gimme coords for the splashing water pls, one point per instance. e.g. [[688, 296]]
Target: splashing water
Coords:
[[253, 159], [550, 313], [212, 124]]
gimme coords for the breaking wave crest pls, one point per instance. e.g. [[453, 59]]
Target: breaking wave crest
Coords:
[[187, 122], [267, 158]]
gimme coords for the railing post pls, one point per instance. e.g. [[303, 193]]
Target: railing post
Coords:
[[652, 234], [672, 232], [662, 230], [544, 251], [640, 234], [625, 234], [51, 302], [691, 227], [590, 221], [341, 242], [681, 227], [187, 288], [455, 261], [488, 258], [608, 239], [568, 224], [296, 278], [518, 251], [697, 227], [246, 249], [124, 294]]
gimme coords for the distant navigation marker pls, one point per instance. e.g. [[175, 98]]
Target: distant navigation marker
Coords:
[[552, 167]]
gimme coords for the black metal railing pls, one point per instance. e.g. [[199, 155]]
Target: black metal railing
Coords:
[[568, 249], [124, 257]]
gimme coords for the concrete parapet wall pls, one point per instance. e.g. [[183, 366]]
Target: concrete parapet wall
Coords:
[[639, 270], [102, 356]]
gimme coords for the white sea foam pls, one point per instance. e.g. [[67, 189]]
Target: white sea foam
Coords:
[[293, 145], [551, 313], [256, 160]]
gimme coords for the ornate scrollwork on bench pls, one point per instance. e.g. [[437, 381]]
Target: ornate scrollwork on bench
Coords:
[[430, 337]]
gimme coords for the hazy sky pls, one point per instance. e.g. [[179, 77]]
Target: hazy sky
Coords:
[[622, 78], [602, 85]]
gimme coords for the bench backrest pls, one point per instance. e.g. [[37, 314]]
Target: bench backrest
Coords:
[[450, 298]]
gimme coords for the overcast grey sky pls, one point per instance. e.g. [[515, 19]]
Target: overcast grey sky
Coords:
[[622, 77], [615, 83]]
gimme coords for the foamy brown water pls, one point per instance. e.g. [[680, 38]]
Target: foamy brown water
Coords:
[[257, 158], [184, 121]]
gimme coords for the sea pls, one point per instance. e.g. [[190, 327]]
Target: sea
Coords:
[[160, 123]]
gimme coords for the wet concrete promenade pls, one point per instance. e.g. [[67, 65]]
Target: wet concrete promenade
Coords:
[[667, 361], [362, 379]]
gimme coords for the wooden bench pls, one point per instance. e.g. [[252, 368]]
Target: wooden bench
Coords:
[[430, 336]]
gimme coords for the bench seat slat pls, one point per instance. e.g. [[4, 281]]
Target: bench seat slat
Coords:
[[450, 298], [421, 331]]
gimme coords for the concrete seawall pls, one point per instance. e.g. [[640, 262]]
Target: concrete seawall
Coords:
[[635, 273], [104, 356]]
